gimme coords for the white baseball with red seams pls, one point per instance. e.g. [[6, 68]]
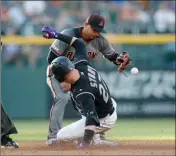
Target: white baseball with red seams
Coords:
[[134, 71]]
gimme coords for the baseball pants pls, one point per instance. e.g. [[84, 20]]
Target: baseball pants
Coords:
[[60, 101], [7, 126], [76, 129]]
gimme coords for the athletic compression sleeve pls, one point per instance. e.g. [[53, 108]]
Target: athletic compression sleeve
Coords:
[[78, 44]]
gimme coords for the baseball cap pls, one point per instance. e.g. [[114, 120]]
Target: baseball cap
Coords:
[[97, 22]]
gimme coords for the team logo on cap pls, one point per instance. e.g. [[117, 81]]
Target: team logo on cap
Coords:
[[101, 23]]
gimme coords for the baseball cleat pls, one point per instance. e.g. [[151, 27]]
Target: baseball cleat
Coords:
[[51, 142], [7, 142], [97, 141]]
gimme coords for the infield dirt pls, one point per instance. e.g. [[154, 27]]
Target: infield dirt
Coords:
[[125, 148]]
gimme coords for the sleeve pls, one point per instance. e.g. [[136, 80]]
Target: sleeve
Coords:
[[86, 99], [80, 50], [59, 47], [51, 56], [107, 50], [78, 44]]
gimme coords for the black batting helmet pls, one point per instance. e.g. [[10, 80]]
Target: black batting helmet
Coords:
[[60, 67]]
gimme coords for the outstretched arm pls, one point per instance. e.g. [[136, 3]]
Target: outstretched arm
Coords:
[[80, 47], [108, 51]]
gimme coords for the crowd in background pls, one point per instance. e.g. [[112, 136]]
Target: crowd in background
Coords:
[[26, 18]]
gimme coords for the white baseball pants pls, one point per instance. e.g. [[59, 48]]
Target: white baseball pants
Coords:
[[76, 129]]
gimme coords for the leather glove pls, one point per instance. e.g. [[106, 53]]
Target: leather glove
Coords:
[[123, 60], [48, 32]]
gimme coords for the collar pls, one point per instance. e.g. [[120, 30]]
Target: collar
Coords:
[[80, 31]]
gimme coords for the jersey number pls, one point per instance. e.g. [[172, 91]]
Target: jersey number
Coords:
[[93, 83], [103, 93]]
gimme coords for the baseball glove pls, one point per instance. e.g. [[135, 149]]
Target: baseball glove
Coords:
[[124, 61]]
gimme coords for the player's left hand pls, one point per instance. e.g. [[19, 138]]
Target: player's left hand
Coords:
[[65, 86], [124, 60], [83, 145], [48, 32]]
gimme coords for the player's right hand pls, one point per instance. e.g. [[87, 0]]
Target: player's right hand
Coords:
[[48, 32]]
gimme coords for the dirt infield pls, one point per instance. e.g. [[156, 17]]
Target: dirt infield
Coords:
[[124, 148]]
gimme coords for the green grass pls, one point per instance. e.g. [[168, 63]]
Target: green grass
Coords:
[[125, 129]]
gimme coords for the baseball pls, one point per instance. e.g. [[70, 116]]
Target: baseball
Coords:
[[134, 71]]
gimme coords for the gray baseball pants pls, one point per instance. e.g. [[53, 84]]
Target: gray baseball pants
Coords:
[[60, 101]]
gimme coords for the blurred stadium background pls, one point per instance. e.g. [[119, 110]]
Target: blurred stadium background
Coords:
[[146, 29]]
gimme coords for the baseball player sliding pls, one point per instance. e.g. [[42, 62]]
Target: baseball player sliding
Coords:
[[89, 91], [95, 43]]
